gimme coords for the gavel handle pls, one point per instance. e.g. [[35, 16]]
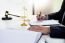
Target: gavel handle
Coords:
[[14, 15]]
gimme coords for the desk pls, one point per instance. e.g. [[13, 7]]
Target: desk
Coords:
[[12, 32]]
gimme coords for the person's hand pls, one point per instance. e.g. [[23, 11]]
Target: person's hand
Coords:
[[43, 29], [40, 17]]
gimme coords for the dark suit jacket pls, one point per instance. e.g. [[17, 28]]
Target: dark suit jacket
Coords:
[[58, 31]]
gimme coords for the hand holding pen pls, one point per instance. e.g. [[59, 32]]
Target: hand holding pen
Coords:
[[41, 17]]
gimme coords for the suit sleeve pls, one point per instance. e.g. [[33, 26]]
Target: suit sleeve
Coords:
[[55, 16], [57, 31]]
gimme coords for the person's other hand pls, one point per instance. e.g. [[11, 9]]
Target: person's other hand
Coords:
[[43, 29]]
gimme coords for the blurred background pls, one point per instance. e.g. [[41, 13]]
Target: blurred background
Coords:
[[16, 7]]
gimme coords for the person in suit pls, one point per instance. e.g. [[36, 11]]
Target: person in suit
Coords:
[[55, 31]]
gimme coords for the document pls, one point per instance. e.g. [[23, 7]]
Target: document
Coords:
[[44, 22]]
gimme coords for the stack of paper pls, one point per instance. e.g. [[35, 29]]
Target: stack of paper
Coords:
[[45, 22]]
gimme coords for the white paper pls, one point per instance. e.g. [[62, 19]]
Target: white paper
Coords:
[[45, 22], [18, 36]]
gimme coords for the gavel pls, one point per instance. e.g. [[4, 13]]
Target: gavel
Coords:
[[9, 18]]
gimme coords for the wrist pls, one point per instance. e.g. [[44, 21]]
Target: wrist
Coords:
[[47, 30]]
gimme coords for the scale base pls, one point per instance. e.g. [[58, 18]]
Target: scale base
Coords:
[[24, 24]]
